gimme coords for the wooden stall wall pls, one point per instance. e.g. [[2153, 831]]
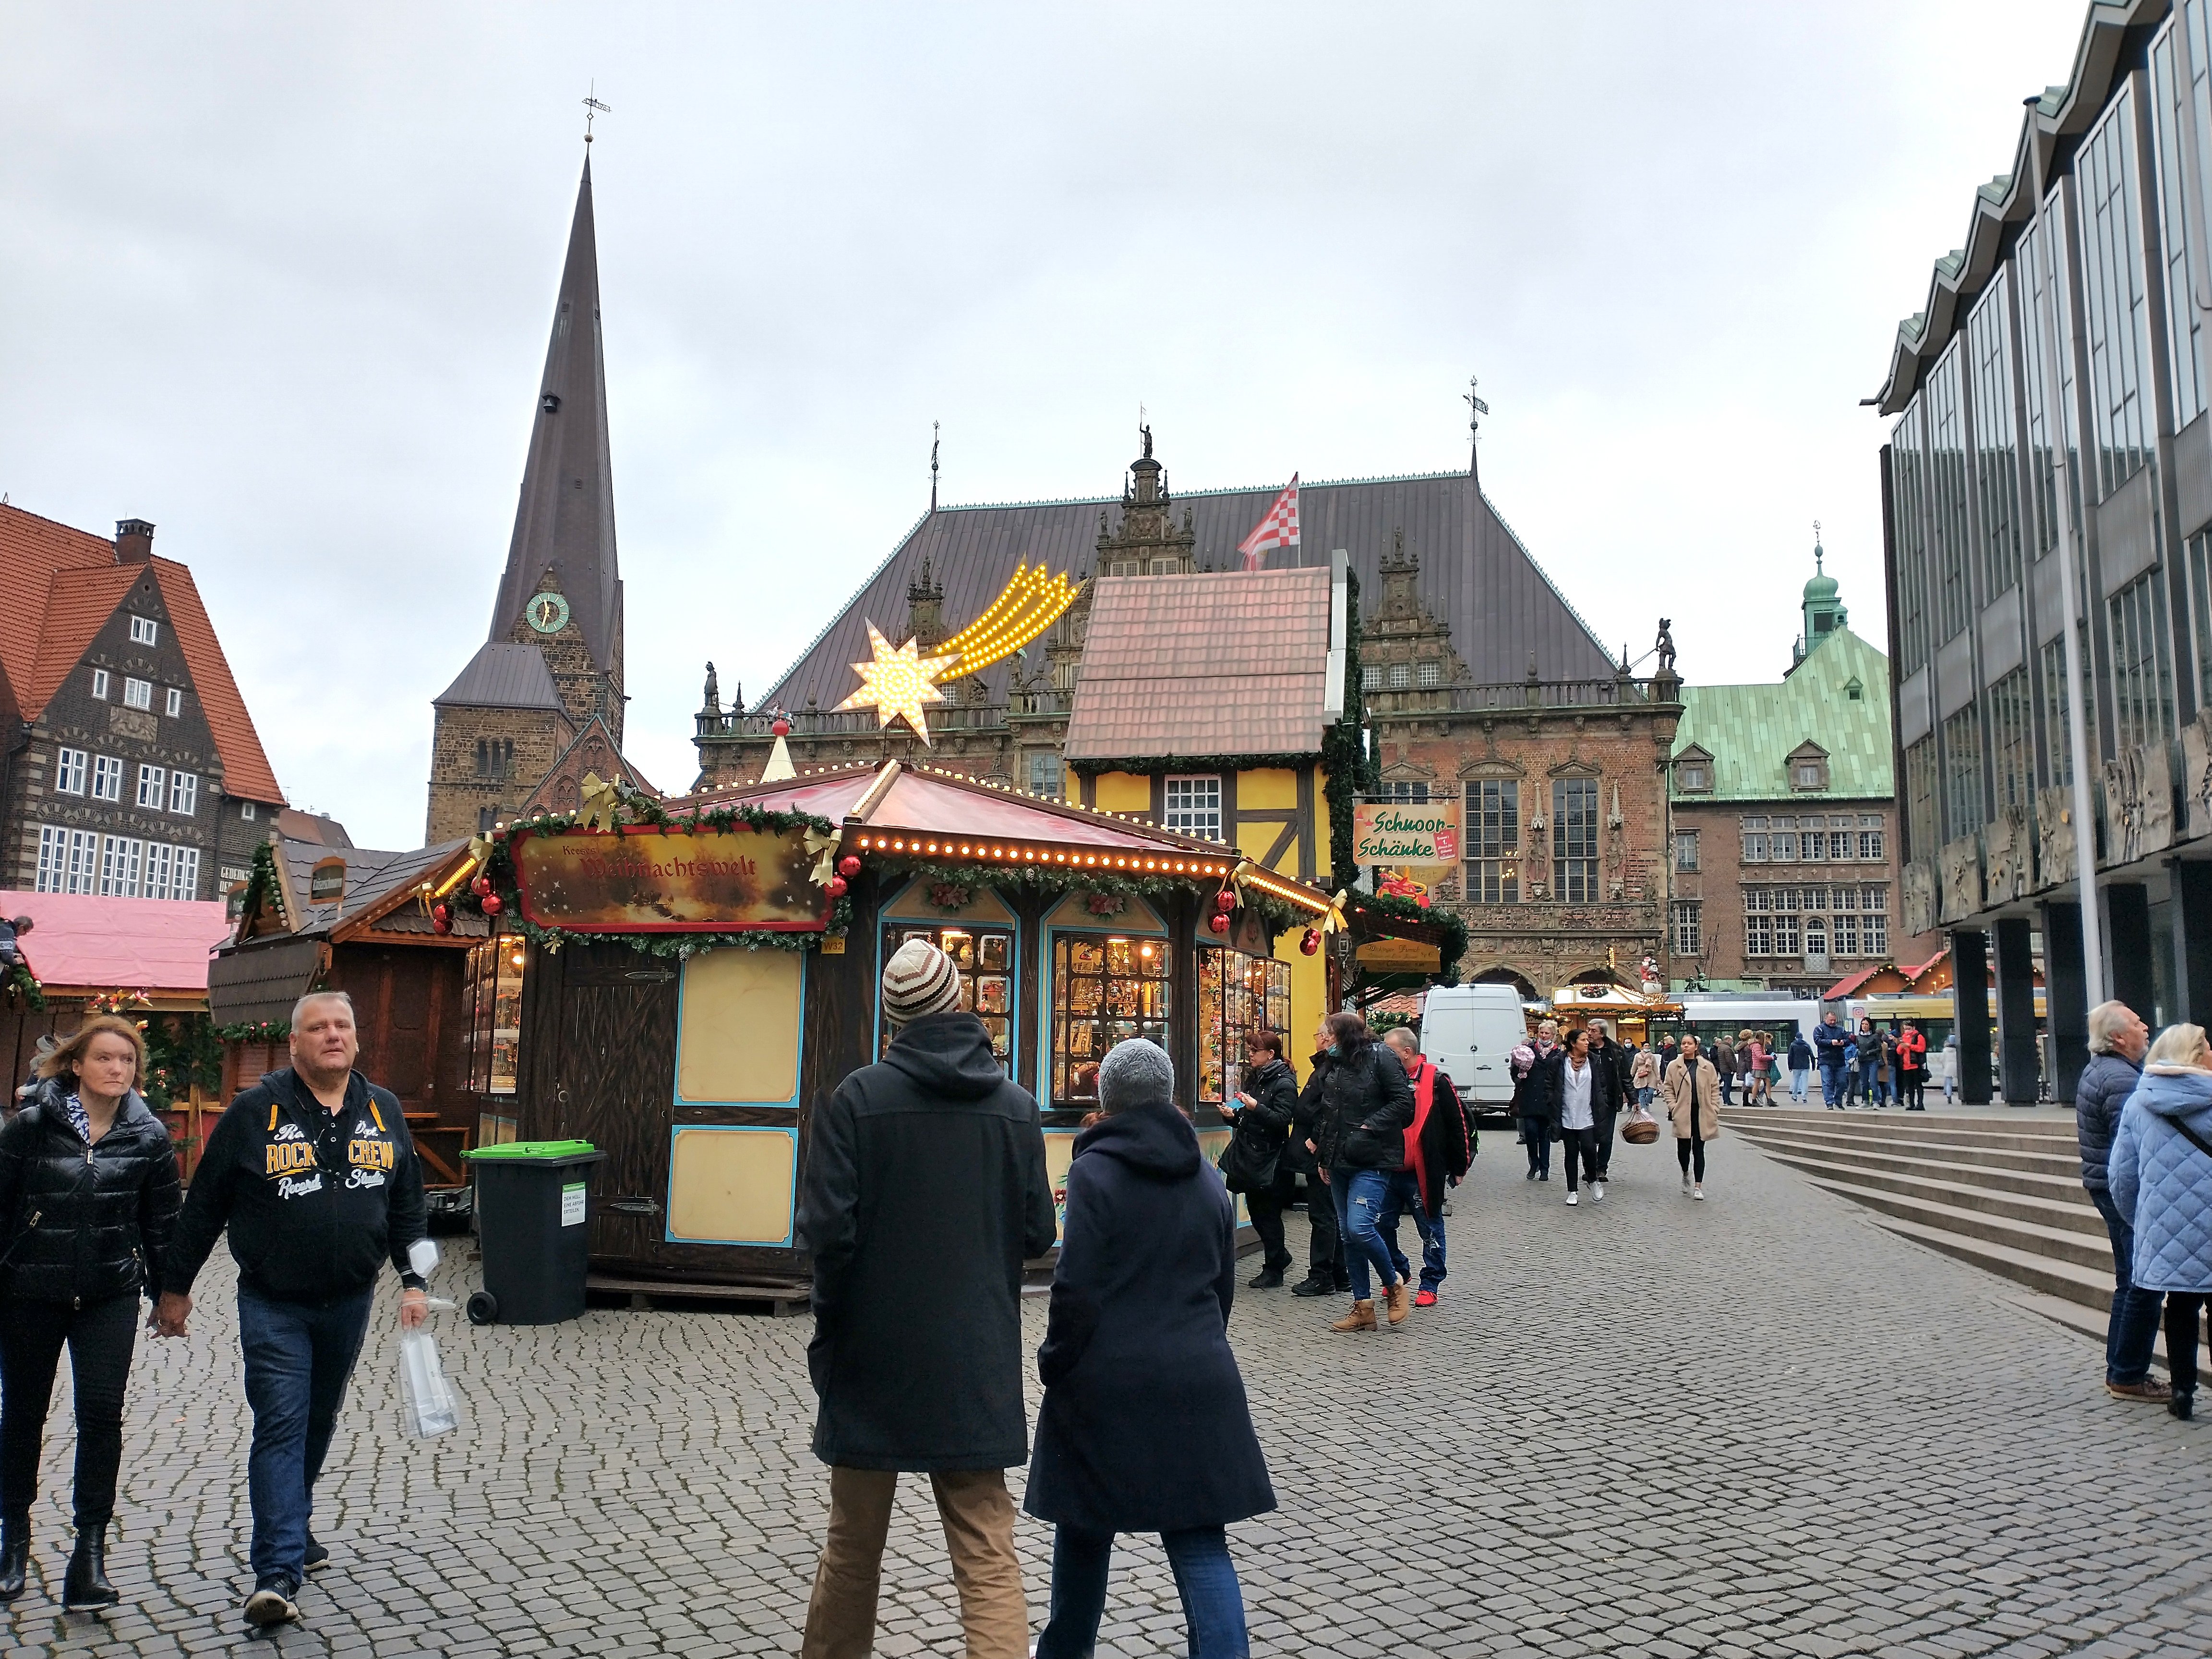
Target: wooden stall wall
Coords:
[[409, 1010]]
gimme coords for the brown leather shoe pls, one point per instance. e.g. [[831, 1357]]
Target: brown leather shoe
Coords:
[[1400, 1302], [2150, 1391], [1361, 1318]]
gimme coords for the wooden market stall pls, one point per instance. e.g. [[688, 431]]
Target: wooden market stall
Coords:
[[702, 972]]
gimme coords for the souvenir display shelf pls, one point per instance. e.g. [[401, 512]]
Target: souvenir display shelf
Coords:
[[1104, 991], [1237, 995], [985, 957]]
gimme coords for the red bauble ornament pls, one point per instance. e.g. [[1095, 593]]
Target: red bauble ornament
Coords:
[[439, 912], [492, 906], [834, 887], [440, 925], [480, 886], [1224, 901], [781, 726], [1311, 942], [849, 865], [1218, 923]]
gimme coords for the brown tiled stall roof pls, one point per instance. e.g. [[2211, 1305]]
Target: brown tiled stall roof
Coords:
[[1476, 576], [1206, 665]]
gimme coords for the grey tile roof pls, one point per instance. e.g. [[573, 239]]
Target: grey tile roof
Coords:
[[370, 875], [1475, 574], [503, 675]]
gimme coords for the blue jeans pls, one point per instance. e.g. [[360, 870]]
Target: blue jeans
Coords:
[[1360, 1197], [2133, 1330], [1831, 1085], [1797, 1077], [299, 1358], [1206, 1578], [1406, 1198]]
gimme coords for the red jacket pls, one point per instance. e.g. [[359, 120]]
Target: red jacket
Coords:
[[1912, 1050], [1438, 1144]]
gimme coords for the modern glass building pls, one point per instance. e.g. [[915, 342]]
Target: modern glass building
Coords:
[[2049, 474]]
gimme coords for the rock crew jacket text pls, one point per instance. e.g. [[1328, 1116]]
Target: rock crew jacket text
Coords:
[[316, 1201]]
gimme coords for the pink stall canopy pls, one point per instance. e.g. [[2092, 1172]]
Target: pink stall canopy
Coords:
[[81, 944]]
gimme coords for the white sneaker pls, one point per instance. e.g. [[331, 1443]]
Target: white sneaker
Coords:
[[1573, 1198], [1697, 1192], [1597, 1192]]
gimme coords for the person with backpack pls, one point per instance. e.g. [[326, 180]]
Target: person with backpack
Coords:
[[88, 1199], [1364, 1102], [1252, 1164], [1439, 1150]]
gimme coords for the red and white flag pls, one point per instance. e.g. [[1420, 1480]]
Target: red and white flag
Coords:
[[1279, 528]]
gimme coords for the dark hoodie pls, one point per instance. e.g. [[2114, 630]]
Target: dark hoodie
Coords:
[[924, 1191], [1145, 1426]]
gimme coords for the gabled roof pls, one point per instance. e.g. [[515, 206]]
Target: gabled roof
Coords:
[[1750, 731], [1203, 664], [83, 943], [2061, 115], [566, 516], [59, 587], [1476, 577], [379, 886], [503, 675], [593, 749]]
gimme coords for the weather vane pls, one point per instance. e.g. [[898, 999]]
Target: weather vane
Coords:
[[1476, 409], [1816, 544], [593, 108]]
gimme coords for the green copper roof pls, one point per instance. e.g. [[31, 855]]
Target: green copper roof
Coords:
[[1750, 731]]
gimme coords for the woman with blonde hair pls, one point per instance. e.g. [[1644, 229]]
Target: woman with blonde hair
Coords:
[[88, 1196], [2160, 1172]]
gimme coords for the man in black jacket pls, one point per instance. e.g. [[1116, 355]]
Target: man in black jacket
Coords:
[[314, 1173], [925, 1192], [1325, 1273], [1609, 1092], [2118, 1039]]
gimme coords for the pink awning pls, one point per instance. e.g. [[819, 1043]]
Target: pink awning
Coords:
[[79, 942]]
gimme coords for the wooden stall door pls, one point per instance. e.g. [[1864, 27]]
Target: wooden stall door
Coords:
[[612, 1077]]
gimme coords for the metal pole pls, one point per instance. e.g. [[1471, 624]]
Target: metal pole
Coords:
[[2095, 971]]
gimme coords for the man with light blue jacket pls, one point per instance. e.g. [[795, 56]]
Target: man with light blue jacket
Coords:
[[2161, 1176]]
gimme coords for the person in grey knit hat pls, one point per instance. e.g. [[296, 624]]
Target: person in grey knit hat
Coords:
[[1145, 1426], [925, 1192]]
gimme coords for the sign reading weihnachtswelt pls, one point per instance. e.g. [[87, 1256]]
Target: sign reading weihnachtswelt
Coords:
[[641, 881], [1405, 832]]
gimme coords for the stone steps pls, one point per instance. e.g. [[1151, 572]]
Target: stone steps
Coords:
[[2002, 1192]]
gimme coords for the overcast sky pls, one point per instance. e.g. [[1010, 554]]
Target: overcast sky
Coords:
[[280, 278]]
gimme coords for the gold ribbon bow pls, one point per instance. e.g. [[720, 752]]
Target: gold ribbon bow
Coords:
[[1335, 919], [600, 800], [825, 866], [1239, 876]]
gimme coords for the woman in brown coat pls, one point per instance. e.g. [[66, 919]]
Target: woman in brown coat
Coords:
[[1691, 1089]]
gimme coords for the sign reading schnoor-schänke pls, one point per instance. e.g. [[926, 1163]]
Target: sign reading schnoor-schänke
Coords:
[[1405, 832], [641, 881]]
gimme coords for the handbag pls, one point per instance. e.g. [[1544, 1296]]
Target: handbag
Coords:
[[1239, 1168]]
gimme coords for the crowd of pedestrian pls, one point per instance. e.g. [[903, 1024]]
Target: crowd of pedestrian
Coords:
[[1573, 1090]]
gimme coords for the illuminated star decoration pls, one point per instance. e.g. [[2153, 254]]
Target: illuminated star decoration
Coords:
[[898, 682]]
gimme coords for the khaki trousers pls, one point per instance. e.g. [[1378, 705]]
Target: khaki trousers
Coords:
[[978, 1517]]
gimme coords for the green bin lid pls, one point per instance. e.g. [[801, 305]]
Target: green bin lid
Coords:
[[534, 1149]]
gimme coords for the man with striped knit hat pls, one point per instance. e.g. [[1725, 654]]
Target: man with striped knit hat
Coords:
[[925, 1192]]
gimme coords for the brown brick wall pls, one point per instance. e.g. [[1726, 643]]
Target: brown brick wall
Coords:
[[458, 794]]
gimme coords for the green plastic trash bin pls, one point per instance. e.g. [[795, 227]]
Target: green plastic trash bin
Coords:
[[533, 1224]]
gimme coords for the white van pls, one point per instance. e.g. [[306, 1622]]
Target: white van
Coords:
[[1468, 1032]]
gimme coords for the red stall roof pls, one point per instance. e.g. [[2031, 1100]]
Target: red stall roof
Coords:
[[81, 945]]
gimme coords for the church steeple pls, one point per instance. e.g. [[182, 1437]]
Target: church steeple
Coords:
[[564, 523]]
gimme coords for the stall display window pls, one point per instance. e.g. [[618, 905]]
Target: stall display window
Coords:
[[985, 957], [1104, 991], [1237, 995], [494, 1001]]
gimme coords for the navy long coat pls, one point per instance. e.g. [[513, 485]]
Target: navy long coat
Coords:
[[1144, 1426]]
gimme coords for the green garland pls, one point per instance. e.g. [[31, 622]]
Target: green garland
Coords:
[[255, 1031], [260, 880], [182, 1051], [1344, 748], [637, 808], [1278, 916], [20, 984], [1449, 922], [1145, 765]]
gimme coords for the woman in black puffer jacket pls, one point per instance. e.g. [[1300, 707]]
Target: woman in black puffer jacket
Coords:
[[89, 1195], [1265, 1108], [1366, 1103]]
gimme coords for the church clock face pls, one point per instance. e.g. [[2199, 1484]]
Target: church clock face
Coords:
[[548, 613]]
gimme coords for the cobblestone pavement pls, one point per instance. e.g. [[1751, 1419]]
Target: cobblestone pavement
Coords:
[[1753, 1425]]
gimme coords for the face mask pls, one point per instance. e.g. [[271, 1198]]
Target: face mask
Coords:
[[1333, 1049]]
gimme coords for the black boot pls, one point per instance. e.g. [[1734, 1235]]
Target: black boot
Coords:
[[2182, 1403], [1314, 1284], [1270, 1278], [86, 1584], [14, 1555]]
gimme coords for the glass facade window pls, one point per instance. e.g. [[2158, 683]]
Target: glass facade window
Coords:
[[1754, 839], [1874, 904], [1493, 840], [1963, 811], [1757, 922], [138, 694], [1429, 673], [106, 778], [490, 1046], [153, 787], [2011, 746], [1238, 996], [1908, 493], [2142, 690], [1574, 839], [1194, 807], [2184, 334], [1415, 790], [69, 860], [119, 857], [1104, 991], [985, 957], [69, 771], [2057, 741], [2115, 309], [1922, 837], [1997, 457], [2051, 415], [2196, 554], [1947, 471]]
